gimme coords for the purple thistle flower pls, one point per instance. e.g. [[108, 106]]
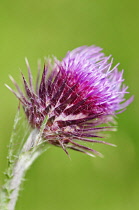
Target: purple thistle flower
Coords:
[[76, 96]]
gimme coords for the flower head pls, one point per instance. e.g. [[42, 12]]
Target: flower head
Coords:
[[75, 95]]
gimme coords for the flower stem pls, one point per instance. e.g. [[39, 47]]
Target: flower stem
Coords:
[[28, 154]]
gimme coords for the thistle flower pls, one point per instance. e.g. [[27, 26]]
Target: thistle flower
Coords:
[[74, 97], [74, 100]]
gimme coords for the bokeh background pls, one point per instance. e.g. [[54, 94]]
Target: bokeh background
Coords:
[[34, 29]]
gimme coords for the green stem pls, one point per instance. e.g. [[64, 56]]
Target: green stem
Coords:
[[25, 159]]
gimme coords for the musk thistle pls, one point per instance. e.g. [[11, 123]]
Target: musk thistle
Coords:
[[69, 105]]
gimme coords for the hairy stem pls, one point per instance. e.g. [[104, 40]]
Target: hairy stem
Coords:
[[30, 151], [23, 163]]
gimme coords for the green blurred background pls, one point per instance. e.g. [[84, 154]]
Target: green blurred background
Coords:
[[40, 28]]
